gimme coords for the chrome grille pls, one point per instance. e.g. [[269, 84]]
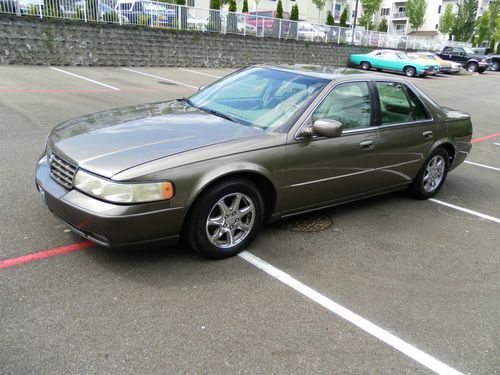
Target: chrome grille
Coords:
[[61, 170]]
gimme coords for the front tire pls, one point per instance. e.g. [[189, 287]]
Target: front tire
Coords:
[[495, 66], [225, 219], [432, 175]]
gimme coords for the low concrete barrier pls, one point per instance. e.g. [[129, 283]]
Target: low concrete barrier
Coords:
[[35, 41]]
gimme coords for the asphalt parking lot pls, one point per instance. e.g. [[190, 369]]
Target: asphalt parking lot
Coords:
[[425, 272]]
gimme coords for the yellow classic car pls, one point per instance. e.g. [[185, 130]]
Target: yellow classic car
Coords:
[[445, 65]]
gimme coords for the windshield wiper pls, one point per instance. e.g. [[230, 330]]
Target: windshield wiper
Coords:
[[220, 114], [189, 102]]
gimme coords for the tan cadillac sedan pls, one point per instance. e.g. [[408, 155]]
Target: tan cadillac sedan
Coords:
[[258, 145]]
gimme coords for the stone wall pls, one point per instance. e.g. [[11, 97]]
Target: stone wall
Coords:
[[34, 41]]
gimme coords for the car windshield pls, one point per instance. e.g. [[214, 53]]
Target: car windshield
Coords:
[[469, 50], [402, 55], [260, 97]]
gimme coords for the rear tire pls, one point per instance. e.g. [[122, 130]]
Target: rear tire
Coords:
[[225, 219], [432, 175], [410, 71], [472, 67], [365, 65]]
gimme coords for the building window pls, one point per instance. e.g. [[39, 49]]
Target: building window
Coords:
[[439, 10], [385, 11], [190, 3]]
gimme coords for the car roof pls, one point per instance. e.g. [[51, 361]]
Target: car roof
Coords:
[[332, 73]]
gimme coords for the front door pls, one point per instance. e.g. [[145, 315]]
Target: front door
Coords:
[[322, 171]]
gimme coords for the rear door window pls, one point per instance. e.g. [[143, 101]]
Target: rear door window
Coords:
[[399, 104], [394, 105]]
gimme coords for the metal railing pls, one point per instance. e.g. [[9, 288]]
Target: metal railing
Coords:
[[165, 15]]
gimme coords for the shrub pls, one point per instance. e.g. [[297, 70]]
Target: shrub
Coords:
[[329, 19], [245, 6], [279, 10], [343, 16]]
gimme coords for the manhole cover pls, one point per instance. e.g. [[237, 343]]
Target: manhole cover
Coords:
[[306, 223]]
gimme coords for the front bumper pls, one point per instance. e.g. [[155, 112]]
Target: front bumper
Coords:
[[107, 224]]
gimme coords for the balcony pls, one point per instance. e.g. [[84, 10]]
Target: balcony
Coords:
[[398, 15]]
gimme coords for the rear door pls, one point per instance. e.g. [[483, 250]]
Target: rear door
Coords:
[[406, 133]]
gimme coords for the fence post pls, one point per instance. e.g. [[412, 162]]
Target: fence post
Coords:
[[85, 10], [178, 9], [339, 30], [279, 33]]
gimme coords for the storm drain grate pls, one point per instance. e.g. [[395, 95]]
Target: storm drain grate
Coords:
[[306, 223]]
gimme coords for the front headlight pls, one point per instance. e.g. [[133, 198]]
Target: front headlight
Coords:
[[118, 192]]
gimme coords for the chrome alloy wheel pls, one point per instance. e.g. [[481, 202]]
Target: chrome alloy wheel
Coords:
[[434, 173], [230, 220]]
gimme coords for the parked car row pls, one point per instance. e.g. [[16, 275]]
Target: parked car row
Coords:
[[451, 60]]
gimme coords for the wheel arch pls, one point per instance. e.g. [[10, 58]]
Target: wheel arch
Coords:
[[260, 178], [448, 146]]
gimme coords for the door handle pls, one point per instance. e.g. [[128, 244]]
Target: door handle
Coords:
[[367, 145], [427, 134]]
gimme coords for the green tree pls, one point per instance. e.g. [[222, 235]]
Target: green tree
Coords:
[[245, 6], [415, 10], [465, 20], [294, 14], [369, 9], [279, 10], [483, 31], [329, 19], [366, 21], [494, 9], [214, 23], [447, 20], [343, 17], [320, 4], [382, 26]]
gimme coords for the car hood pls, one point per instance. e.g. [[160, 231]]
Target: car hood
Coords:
[[110, 142]]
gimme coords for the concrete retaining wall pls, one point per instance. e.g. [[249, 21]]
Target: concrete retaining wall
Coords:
[[35, 41]]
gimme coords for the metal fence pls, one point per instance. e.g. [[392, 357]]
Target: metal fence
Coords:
[[166, 15]]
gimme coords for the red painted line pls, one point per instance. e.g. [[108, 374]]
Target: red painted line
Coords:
[[485, 138], [45, 254]]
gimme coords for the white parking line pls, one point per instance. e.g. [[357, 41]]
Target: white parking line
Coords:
[[475, 213], [203, 74], [158, 77], [86, 79], [482, 165], [496, 144], [367, 326]]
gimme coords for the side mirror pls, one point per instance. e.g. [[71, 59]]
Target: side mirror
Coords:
[[327, 128]]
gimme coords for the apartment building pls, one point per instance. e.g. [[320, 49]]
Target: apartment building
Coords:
[[395, 13], [393, 10]]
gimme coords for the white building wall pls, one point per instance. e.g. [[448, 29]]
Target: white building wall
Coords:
[[396, 20]]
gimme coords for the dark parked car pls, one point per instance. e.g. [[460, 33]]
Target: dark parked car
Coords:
[[495, 62], [8, 6], [470, 60], [258, 145]]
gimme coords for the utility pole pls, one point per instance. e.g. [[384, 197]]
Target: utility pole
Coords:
[[354, 22]]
